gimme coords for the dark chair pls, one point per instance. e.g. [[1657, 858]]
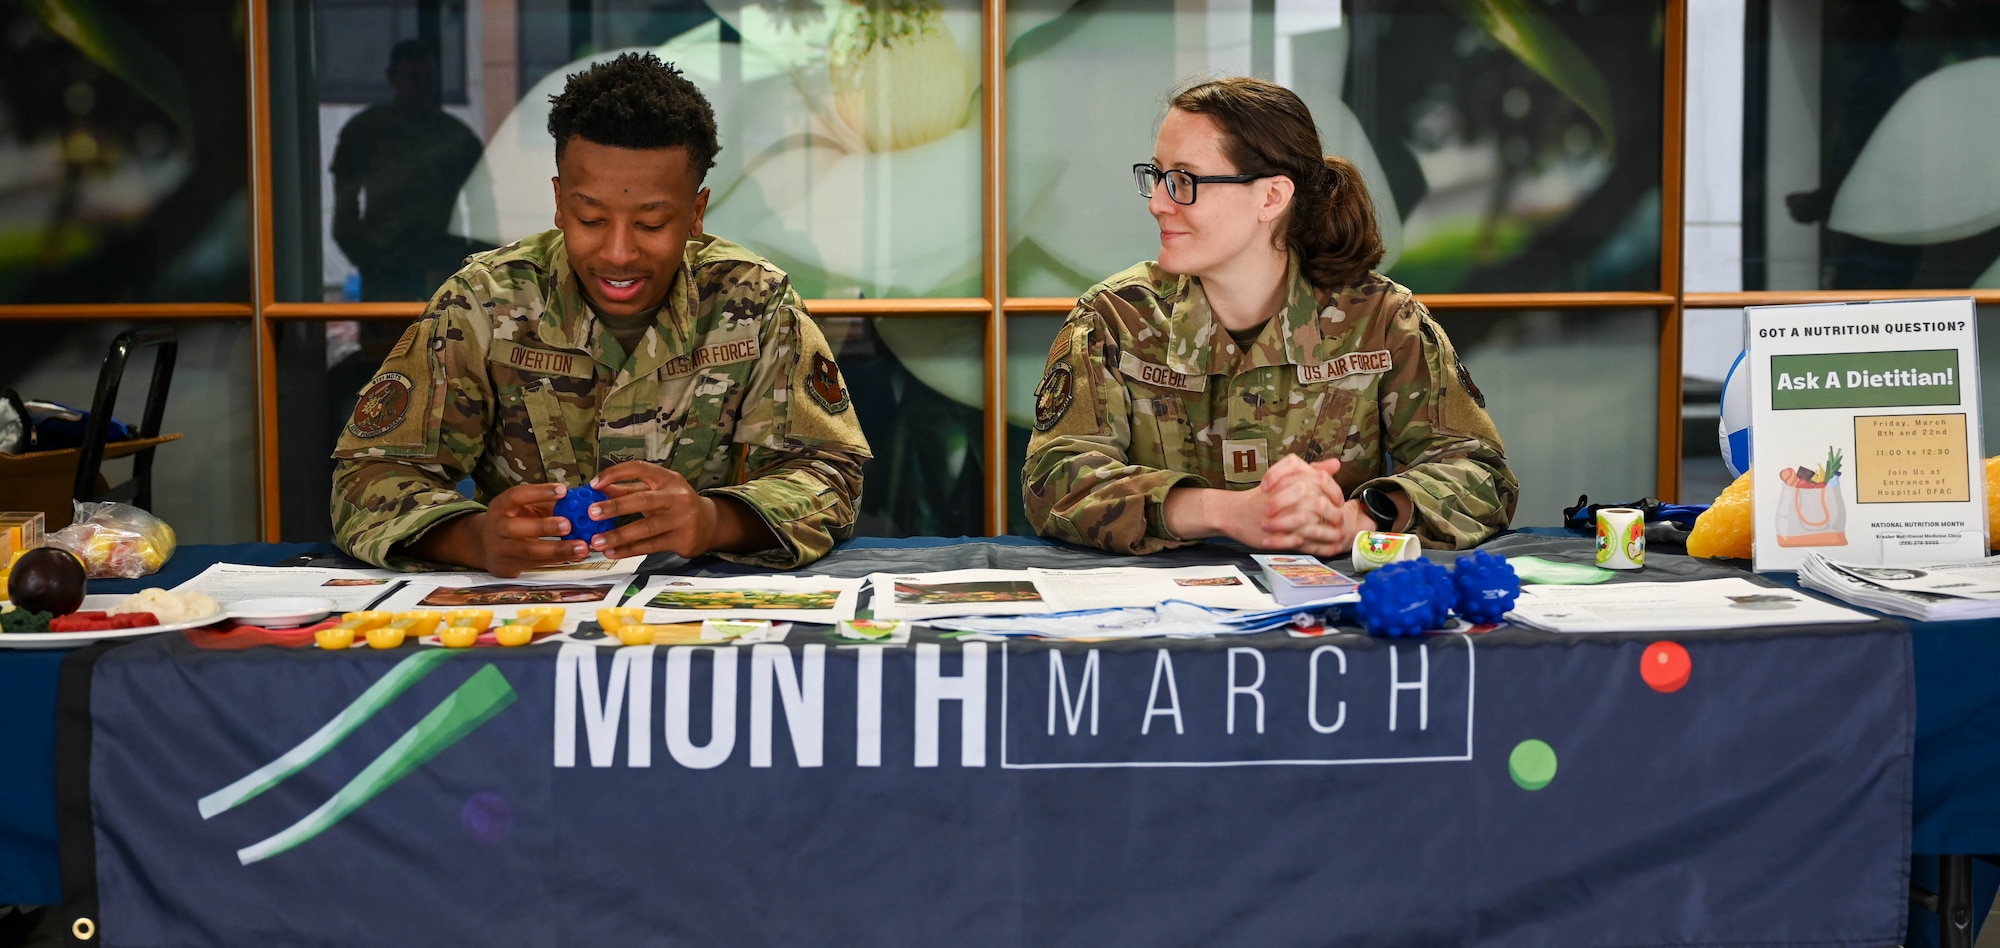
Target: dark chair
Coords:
[[139, 490]]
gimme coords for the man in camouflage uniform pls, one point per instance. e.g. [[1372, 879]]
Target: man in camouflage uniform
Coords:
[[1145, 393], [675, 371]]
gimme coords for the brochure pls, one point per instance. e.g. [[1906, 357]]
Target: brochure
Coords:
[[349, 590], [822, 599], [1865, 432], [1730, 603], [1925, 592], [1003, 592], [506, 597]]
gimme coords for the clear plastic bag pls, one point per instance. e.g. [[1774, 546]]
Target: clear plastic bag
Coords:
[[117, 540]]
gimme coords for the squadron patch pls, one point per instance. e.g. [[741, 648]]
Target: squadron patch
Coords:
[[824, 384], [1053, 396], [1465, 379], [382, 406]]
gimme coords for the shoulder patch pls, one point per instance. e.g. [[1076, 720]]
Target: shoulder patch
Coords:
[[381, 407], [403, 344], [1465, 379], [825, 385], [1053, 396]]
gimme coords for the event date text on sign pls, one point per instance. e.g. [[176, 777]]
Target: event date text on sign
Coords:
[[1902, 458]]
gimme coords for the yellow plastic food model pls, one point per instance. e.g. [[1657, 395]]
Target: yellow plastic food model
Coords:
[[1723, 530], [385, 636], [419, 622], [335, 637], [635, 634], [514, 634], [543, 618], [364, 621], [1993, 502], [481, 619], [611, 617], [458, 636]]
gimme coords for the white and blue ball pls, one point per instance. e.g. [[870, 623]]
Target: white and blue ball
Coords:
[[1733, 433]]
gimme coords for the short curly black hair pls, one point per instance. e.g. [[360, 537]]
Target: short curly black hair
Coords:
[[635, 101]]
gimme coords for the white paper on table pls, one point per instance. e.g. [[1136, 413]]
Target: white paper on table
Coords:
[[958, 592], [1219, 587], [1661, 607], [779, 598], [593, 569], [348, 589], [580, 599], [1168, 619], [1975, 580]]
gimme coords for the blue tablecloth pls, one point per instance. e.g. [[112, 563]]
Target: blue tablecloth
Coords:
[[1956, 808], [28, 870]]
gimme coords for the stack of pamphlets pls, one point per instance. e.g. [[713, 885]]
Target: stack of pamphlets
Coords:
[[1939, 591], [1294, 578], [1672, 607]]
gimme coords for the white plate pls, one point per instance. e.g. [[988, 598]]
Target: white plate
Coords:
[[281, 612], [100, 603]]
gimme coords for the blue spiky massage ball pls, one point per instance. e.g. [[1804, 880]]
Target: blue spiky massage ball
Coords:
[[575, 507], [1404, 598], [1487, 586]]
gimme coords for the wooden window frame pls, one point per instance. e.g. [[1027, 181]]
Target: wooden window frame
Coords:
[[266, 314]]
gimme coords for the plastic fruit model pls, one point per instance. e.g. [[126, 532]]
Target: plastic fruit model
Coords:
[[514, 634], [360, 622], [635, 634], [420, 622], [481, 619], [47, 579], [335, 637], [1723, 530], [458, 636], [542, 618], [611, 617]]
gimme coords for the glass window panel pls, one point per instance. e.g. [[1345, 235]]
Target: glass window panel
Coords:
[[851, 142], [1711, 341], [1028, 340], [123, 148], [1517, 153], [917, 385], [1575, 394], [1866, 158], [205, 484], [1588, 428]]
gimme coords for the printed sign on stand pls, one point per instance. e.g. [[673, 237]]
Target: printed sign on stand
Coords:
[[1865, 434]]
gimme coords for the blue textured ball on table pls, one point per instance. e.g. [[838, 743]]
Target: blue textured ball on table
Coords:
[[1404, 598], [1486, 586], [575, 507]]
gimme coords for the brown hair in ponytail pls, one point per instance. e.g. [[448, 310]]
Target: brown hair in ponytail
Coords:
[[1267, 128]]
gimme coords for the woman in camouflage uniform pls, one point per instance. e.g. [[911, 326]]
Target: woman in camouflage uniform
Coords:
[[1258, 381]]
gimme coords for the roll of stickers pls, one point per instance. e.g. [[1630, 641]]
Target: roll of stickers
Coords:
[[1621, 538], [1374, 549]]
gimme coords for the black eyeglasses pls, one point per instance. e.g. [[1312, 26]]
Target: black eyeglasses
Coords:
[[1181, 184]]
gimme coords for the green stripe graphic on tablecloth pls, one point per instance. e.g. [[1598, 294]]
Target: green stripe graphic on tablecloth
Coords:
[[484, 695], [407, 672]]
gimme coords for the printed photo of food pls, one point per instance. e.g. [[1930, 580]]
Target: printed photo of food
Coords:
[[515, 594], [744, 599], [1209, 581], [939, 594]]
